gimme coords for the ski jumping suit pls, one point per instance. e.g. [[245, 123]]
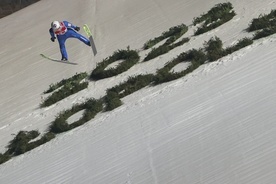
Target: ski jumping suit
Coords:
[[66, 30]]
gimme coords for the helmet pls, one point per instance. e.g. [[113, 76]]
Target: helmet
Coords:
[[55, 25]]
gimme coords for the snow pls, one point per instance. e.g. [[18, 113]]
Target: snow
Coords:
[[215, 125]]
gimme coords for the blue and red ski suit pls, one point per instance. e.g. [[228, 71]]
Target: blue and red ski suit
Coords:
[[66, 30]]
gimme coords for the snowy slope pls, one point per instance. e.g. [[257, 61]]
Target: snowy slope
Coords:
[[216, 125]]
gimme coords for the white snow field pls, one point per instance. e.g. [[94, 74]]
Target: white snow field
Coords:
[[216, 125]]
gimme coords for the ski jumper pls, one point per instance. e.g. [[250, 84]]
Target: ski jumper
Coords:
[[66, 30]]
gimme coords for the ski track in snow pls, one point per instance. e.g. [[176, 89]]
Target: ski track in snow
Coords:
[[215, 125]]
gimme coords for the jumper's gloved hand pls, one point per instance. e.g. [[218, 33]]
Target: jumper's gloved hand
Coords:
[[53, 39], [77, 28]]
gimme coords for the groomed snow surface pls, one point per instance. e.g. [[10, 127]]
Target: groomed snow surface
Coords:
[[216, 125]]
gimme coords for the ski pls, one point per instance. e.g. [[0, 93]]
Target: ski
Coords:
[[89, 34], [57, 60]]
